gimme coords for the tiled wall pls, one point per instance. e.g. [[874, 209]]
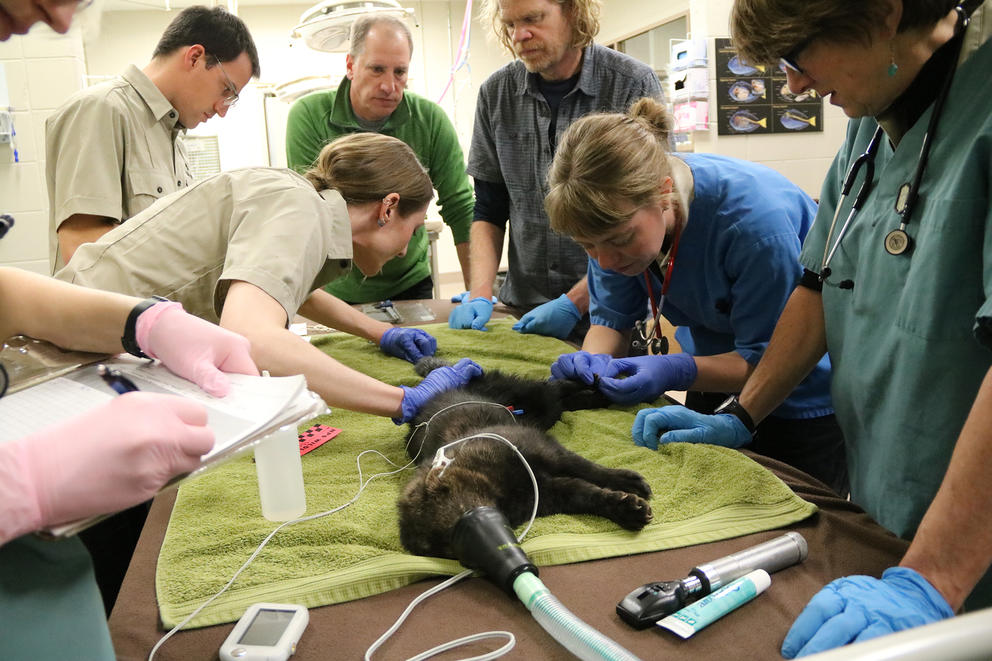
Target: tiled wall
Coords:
[[41, 69]]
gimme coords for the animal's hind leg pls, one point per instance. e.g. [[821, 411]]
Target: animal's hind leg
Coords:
[[565, 462], [569, 495]]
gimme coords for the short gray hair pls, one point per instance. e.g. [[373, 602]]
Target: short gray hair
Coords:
[[360, 31]]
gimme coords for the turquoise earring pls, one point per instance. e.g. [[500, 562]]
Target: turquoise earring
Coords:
[[893, 67]]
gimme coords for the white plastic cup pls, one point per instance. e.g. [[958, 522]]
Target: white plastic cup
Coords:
[[280, 475]]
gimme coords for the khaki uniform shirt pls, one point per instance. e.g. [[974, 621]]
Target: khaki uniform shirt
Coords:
[[112, 150], [265, 226]]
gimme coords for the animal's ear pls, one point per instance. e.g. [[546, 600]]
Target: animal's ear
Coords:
[[433, 482]]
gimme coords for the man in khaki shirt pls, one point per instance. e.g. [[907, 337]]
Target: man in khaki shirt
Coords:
[[114, 148]]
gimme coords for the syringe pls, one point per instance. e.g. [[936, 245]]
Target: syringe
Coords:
[[653, 601]]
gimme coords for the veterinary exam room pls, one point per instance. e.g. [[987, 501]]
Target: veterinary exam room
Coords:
[[480, 329]]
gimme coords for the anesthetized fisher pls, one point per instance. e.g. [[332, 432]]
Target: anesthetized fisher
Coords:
[[716, 239], [250, 248]]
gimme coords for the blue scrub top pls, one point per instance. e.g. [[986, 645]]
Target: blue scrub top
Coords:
[[737, 264]]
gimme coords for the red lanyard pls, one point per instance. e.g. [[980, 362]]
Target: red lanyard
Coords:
[[656, 307]]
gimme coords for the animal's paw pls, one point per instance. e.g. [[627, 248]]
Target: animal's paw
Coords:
[[630, 511], [622, 479]]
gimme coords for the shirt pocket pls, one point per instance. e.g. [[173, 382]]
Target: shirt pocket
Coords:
[[143, 188]]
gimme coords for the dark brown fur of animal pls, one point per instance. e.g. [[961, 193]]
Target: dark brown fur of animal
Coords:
[[486, 471]]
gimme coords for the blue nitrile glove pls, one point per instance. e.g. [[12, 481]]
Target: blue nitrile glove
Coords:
[[687, 426], [474, 314], [859, 608], [580, 366], [407, 343], [435, 383], [464, 297], [647, 377], [555, 318]]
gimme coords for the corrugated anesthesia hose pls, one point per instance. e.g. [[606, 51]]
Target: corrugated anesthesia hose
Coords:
[[575, 635]]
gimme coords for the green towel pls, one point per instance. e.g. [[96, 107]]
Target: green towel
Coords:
[[701, 494]]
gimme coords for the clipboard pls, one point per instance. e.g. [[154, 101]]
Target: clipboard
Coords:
[[254, 408]]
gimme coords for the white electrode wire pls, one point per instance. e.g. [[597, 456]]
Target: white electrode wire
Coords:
[[361, 488], [444, 647], [426, 423]]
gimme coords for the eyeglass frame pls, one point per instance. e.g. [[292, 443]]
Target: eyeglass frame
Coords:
[[232, 91], [789, 60]]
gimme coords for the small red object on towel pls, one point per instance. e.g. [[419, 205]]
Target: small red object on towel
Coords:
[[316, 436]]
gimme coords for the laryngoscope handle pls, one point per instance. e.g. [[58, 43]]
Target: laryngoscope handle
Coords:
[[771, 556]]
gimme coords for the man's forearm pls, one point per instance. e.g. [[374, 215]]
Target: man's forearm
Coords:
[[486, 250], [797, 344], [464, 251], [78, 229], [952, 547], [579, 295]]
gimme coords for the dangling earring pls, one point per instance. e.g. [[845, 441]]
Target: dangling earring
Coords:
[[381, 222], [893, 67]]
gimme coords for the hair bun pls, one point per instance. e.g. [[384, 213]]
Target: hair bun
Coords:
[[654, 116]]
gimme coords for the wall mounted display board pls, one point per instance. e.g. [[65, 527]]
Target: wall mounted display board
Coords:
[[757, 99]]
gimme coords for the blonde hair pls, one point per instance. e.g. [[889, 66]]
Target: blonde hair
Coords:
[[582, 15], [366, 167], [608, 166]]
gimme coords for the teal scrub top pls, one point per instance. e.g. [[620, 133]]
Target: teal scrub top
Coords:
[[910, 341], [50, 606]]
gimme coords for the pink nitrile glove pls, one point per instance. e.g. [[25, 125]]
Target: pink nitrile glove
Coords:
[[193, 348], [105, 460]]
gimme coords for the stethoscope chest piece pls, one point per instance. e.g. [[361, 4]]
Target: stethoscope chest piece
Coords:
[[897, 242]]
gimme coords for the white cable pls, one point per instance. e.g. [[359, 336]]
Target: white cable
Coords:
[[362, 485], [434, 651]]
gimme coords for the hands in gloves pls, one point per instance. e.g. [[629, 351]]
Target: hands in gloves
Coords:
[[647, 377], [410, 344], [438, 381], [687, 426], [105, 460], [471, 314], [555, 318], [193, 348], [580, 366], [859, 608]]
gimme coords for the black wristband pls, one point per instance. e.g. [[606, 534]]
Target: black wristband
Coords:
[[732, 406], [128, 339]]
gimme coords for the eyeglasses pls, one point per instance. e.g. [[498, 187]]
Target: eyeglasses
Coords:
[[789, 59], [232, 92]]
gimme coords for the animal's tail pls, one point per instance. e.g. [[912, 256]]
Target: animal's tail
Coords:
[[428, 364]]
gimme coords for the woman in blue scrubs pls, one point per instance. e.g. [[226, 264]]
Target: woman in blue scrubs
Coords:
[[726, 235], [901, 301]]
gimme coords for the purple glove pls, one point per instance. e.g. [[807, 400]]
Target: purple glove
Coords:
[[686, 426], [580, 366], [473, 314], [648, 377], [410, 344], [858, 608], [555, 318], [435, 383]]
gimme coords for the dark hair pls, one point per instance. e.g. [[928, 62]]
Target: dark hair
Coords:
[[765, 30], [222, 34]]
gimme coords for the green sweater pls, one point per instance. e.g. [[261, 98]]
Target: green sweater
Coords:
[[318, 118]]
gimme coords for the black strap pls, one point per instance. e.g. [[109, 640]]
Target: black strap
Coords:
[[129, 340]]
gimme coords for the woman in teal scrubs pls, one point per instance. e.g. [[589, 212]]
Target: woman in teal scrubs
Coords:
[[907, 323]]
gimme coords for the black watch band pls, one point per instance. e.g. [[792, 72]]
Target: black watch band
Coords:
[[732, 406], [128, 339]]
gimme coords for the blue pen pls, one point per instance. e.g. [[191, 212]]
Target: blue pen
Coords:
[[120, 383]]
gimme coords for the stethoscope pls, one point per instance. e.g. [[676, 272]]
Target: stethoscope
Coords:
[[898, 241], [653, 341]]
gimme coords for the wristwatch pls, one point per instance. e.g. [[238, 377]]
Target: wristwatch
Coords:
[[732, 406], [128, 340]]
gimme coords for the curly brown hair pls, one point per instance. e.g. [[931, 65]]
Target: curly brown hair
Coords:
[[583, 16]]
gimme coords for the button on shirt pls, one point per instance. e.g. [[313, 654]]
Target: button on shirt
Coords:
[[265, 226], [511, 145], [112, 150]]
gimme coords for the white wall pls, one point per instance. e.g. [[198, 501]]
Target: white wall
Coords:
[[41, 69]]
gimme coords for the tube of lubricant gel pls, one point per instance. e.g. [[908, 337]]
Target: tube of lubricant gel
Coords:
[[711, 608]]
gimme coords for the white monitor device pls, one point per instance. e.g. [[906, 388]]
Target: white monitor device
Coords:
[[266, 632]]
